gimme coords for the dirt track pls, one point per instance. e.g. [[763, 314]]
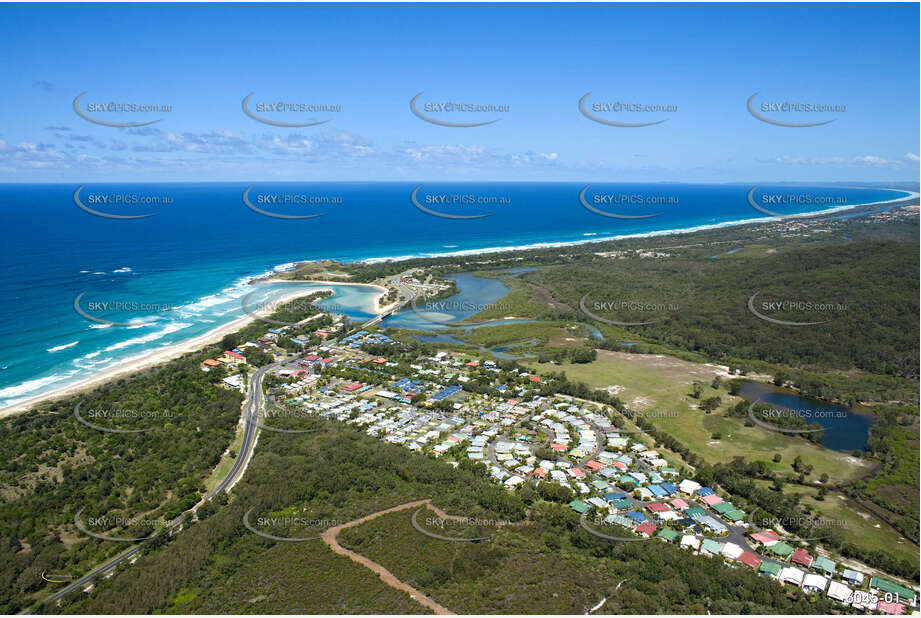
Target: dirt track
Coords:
[[329, 537]]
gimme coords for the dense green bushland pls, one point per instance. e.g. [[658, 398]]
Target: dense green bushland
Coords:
[[337, 474]]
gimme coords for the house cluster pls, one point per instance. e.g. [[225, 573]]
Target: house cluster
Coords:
[[618, 480], [230, 358], [680, 521], [795, 566], [356, 340]]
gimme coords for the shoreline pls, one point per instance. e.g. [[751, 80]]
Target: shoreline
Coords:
[[689, 230], [193, 344], [158, 357]]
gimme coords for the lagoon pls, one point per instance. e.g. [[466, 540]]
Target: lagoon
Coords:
[[845, 430]]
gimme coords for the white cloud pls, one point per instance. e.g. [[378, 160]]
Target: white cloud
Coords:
[[856, 161]]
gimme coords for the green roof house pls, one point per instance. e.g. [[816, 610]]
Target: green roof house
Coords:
[[824, 564], [709, 545], [885, 586], [769, 568], [668, 534], [734, 515], [780, 548], [578, 506], [620, 520]]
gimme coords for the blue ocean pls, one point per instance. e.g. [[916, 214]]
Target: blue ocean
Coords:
[[183, 269]]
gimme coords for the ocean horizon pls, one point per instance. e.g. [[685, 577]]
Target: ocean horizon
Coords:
[[187, 261]]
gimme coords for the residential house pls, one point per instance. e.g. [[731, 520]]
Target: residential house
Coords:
[[839, 592], [771, 569], [791, 575], [854, 578], [801, 557], [814, 583]]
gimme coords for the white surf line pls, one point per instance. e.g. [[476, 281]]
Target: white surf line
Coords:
[[688, 230]]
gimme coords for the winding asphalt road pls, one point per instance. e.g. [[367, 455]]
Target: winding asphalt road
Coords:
[[251, 409], [408, 294]]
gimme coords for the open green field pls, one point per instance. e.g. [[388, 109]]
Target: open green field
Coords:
[[862, 528], [660, 386], [518, 302], [490, 336]]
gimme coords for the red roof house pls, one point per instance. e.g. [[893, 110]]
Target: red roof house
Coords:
[[768, 537], [679, 504], [801, 557], [657, 507], [594, 466], [749, 559], [646, 528], [893, 609]]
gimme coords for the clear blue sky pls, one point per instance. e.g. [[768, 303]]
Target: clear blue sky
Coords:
[[539, 59]]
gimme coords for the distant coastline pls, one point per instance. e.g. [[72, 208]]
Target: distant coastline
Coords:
[[164, 354], [697, 228]]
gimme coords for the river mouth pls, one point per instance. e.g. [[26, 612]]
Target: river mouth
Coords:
[[844, 430]]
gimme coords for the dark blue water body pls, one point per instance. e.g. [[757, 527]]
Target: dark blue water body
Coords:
[[845, 430]]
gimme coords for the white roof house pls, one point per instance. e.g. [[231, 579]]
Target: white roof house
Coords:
[[814, 583], [791, 575], [687, 486], [838, 592], [731, 551], [689, 540]]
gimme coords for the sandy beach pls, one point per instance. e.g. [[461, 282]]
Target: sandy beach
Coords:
[[669, 232], [194, 344]]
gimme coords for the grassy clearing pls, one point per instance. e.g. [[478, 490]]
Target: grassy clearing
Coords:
[[222, 468], [490, 336], [517, 302], [661, 386], [861, 527]]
